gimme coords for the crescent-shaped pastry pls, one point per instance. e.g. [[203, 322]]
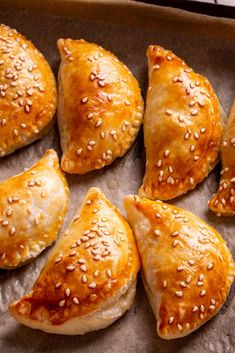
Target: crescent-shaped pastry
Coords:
[[223, 202], [27, 92], [89, 279], [100, 106], [187, 267], [32, 209], [182, 127]]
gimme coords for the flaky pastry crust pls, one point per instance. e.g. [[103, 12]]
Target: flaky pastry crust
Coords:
[[32, 210], [100, 106], [182, 127], [28, 95], [187, 268], [91, 270]]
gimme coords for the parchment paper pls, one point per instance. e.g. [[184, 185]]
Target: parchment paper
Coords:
[[207, 44]]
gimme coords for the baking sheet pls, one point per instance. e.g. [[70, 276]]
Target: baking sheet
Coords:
[[126, 28]]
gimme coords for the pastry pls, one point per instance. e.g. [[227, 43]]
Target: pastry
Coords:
[[27, 92], [89, 279], [187, 268], [223, 202], [100, 106], [32, 209], [182, 127]]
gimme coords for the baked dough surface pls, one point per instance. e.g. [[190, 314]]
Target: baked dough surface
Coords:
[[32, 210], [28, 95], [187, 268], [89, 278], [182, 127], [100, 106]]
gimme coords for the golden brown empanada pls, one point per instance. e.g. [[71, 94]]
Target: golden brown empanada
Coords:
[[89, 279], [27, 92], [32, 209], [187, 267], [100, 106], [182, 127], [223, 202]]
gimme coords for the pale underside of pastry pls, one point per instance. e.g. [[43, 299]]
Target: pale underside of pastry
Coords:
[[89, 279], [182, 127], [187, 268], [100, 106], [223, 202], [28, 95], [32, 209]]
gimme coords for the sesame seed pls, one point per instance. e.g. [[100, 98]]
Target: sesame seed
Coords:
[[157, 215], [12, 230], [70, 268], [164, 284], [83, 268], [180, 268], [180, 328], [191, 180], [156, 67], [166, 153], [202, 293], [186, 136], [157, 232], [96, 273], [171, 320], [9, 212], [84, 279], [175, 243], [203, 130], [67, 292], [179, 293], [213, 301], [79, 152], [15, 132], [159, 163], [191, 262], [58, 285], [181, 118], [58, 259], [192, 148], [210, 266], [196, 158], [175, 234], [92, 285], [233, 180], [90, 116], [84, 100], [188, 279], [201, 316], [98, 123], [169, 112], [61, 303], [5, 223], [183, 284], [196, 135], [199, 283], [212, 307], [169, 58], [195, 309], [75, 300], [109, 273]]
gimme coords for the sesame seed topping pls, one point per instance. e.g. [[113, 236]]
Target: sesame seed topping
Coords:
[[166, 153], [164, 284], [12, 230], [157, 215], [201, 316], [169, 112], [188, 279], [58, 285], [157, 232], [75, 300], [171, 320], [199, 283], [175, 234], [195, 309], [84, 100], [192, 148], [79, 152], [156, 67], [212, 307], [210, 266], [96, 273], [191, 180], [196, 158], [109, 273], [183, 284], [175, 243], [61, 303], [70, 268], [180, 268], [92, 285], [67, 292], [159, 163], [202, 293], [191, 262], [179, 293], [83, 268], [180, 328]]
